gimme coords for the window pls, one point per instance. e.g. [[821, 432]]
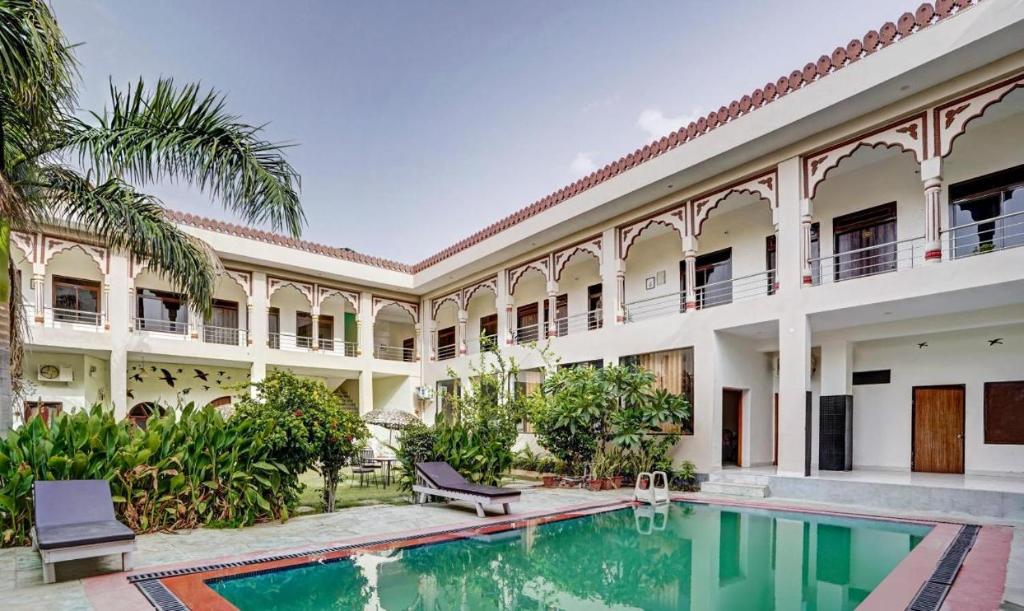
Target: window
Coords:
[[1004, 413], [815, 254], [76, 300], [303, 330], [446, 343], [161, 311], [865, 242], [712, 286], [987, 213], [47, 410], [595, 301], [527, 382], [409, 349], [445, 392], [770, 260], [325, 332], [527, 324], [222, 325], [673, 371], [274, 327], [561, 315], [489, 332]]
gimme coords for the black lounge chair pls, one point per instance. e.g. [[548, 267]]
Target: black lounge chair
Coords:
[[75, 519], [439, 479]]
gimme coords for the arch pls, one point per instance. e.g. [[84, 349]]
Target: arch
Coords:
[[907, 135], [25, 243], [379, 303], [515, 275], [951, 119], [491, 284], [54, 246], [629, 235], [140, 413], [275, 284], [325, 292], [435, 304], [591, 247], [242, 279], [762, 185]]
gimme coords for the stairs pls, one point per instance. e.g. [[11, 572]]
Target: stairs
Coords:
[[346, 401], [737, 484]]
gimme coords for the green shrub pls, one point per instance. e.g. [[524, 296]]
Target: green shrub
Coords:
[[184, 470], [415, 445]]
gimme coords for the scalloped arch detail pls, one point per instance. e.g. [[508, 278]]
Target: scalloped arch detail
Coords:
[[326, 292], [491, 284], [379, 303], [590, 247], [54, 246], [673, 219], [435, 304], [515, 275], [951, 119], [764, 186], [276, 284]]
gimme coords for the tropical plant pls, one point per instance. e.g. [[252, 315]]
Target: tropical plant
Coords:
[[147, 135], [416, 445], [305, 426], [183, 470]]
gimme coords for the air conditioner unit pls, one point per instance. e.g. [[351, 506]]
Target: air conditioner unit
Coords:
[[62, 374], [424, 393]]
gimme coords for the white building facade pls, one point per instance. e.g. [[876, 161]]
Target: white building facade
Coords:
[[827, 267]]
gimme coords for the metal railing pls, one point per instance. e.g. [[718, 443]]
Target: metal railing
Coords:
[[289, 341], [159, 325], [578, 323], [526, 334], [483, 343], [394, 353], [334, 346], [652, 307], [61, 316], [741, 288], [228, 336], [869, 261], [448, 351], [985, 236]]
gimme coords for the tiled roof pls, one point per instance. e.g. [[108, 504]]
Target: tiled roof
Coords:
[[281, 240], [926, 15]]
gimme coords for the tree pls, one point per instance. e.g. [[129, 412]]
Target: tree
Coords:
[[147, 135]]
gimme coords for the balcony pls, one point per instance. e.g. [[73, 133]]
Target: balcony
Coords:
[[484, 343], [448, 351], [742, 288], [578, 323], [394, 353], [79, 320], [526, 334], [868, 261], [228, 336], [159, 325], [984, 236]]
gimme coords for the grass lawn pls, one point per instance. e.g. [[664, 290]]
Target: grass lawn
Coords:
[[349, 492]]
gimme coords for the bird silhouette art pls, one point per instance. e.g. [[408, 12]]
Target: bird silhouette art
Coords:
[[137, 378], [167, 377], [922, 345], [202, 375], [993, 342]]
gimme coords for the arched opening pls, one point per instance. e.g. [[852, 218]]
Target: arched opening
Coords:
[[652, 286], [530, 314], [579, 279], [290, 319], [868, 216], [482, 320], [337, 326], [228, 321], [982, 203], [735, 251], [142, 412], [394, 333], [23, 278], [446, 316], [73, 292], [159, 307]]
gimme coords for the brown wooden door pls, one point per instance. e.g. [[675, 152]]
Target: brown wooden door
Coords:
[[938, 444]]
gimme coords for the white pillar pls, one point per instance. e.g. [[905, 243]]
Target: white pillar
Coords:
[[105, 303], [463, 318], [789, 265], [609, 276], [931, 175], [365, 391], [258, 309], [552, 330], [502, 304], [794, 384], [365, 326], [806, 220], [118, 310], [690, 261], [836, 367], [39, 291]]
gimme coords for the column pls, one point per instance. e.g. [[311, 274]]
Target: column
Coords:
[[365, 391], [105, 303], [248, 323], [552, 330], [417, 332], [502, 304], [258, 309], [39, 292], [789, 263], [836, 367], [432, 326], [806, 220], [931, 175], [365, 325], [119, 305], [690, 261], [609, 277], [794, 386], [460, 330], [315, 317]]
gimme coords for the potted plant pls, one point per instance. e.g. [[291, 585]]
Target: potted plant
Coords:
[[598, 471], [613, 469], [547, 465]]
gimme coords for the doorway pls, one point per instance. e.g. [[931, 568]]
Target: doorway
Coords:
[[938, 429], [732, 427]]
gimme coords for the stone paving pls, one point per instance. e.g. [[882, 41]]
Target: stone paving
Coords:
[[21, 584]]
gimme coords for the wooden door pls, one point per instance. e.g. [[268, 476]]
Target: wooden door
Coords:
[[938, 429]]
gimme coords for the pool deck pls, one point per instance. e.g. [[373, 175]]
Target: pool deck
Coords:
[[998, 555]]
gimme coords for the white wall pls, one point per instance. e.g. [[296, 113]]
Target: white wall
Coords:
[[742, 367], [882, 413], [289, 301], [79, 394], [580, 272], [745, 230], [147, 385], [656, 250], [483, 303]]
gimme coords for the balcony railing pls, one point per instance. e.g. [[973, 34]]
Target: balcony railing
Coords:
[[289, 341], [228, 336], [395, 353], [741, 288], [484, 343], [448, 351], [333, 346], [526, 334], [159, 325], [868, 261], [578, 323], [985, 236], [64, 317]]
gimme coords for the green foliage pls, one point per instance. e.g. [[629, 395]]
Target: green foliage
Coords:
[[184, 470], [305, 426], [614, 413], [415, 445]]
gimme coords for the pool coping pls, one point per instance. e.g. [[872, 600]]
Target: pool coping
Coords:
[[186, 587]]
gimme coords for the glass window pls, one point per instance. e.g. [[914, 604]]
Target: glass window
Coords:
[[76, 300], [303, 330], [222, 324], [673, 372], [865, 242], [274, 327], [161, 311], [325, 332], [987, 213]]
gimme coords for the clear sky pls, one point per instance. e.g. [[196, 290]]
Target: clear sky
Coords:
[[420, 122]]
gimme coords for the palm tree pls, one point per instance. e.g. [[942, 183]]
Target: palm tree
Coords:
[[56, 167]]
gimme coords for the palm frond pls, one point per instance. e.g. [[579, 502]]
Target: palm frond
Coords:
[[183, 134], [126, 219]]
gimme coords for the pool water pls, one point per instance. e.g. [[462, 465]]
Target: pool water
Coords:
[[686, 556]]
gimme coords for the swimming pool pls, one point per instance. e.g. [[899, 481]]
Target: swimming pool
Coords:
[[687, 556]]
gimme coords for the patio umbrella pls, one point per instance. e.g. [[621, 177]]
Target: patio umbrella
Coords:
[[391, 419]]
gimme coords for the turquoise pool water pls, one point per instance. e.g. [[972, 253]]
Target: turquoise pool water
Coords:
[[690, 557]]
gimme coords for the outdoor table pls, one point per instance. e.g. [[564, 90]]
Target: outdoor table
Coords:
[[386, 461]]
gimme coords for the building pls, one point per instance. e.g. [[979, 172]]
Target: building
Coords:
[[826, 266]]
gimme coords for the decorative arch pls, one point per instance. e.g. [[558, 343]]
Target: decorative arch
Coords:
[[763, 186], [677, 218], [435, 304], [951, 119], [379, 303], [325, 292], [140, 413], [491, 284], [26, 243], [909, 135], [275, 284], [242, 279], [562, 257], [515, 275], [55, 246]]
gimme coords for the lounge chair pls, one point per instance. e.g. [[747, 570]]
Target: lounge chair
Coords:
[[75, 519], [439, 479]]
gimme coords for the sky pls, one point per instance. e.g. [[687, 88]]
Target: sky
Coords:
[[417, 123]]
